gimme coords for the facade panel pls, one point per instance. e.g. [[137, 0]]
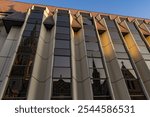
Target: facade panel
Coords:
[[61, 54]]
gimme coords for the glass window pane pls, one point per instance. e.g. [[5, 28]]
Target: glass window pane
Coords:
[[100, 73], [119, 48], [61, 88], [92, 46], [62, 36], [62, 72], [63, 52], [63, 30], [63, 24], [146, 56], [90, 39], [137, 37], [93, 54], [110, 23], [34, 21], [97, 62], [63, 18], [87, 21], [143, 49], [62, 44], [89, 32], [30, 27], [122, 55], [115, 35], [36, 15], [133, 73], [62, 61], [126, 63]]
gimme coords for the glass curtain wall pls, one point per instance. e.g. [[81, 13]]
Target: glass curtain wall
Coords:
[[142, 47], [62, 58], [131, 79], [21, 72], [96, 66]]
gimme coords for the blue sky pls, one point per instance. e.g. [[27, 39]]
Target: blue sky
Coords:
[[137, 8]]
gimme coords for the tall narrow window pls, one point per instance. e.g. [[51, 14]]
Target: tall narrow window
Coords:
[[21, 72], [131, 79], [142, 46], [62, 58], [97, 71]]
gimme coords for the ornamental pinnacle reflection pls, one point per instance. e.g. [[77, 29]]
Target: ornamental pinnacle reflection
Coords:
[[52, 53]]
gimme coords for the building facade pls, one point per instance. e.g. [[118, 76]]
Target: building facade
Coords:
[[52, 53]]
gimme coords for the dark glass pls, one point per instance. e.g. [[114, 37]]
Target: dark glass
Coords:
[[62, 52], [63, 19], [115, 36], [61, 36], [87, 15], [90, 27], [30, 27], [64, 72], [63, 24], [63, 30], [137, 36], [61, 61], [119, 48], [132, 27], [90, 38], [100, 88], [122, 55], [23, 64], [28, 33], [61, 87], [87, 21], [36, 15], [17, 88], [97, 61], [32, 20], [62, 44], [92, 46], [22, 59], [63, 11], [90, 32], [95, 54], [111, 23], [100, 71]]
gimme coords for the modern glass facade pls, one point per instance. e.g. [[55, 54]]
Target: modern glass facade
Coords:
[[65, 54]]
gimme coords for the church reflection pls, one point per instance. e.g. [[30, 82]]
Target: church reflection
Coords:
[[133, 84], [100, 86]]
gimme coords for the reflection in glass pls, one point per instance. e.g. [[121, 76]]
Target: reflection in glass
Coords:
[[132, 83], [62, 44], [62, 59], [23, 64], [96, 68]]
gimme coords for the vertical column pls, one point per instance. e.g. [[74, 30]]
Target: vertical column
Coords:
[[116, 76], [21, 72], [81, 81], [126, 66], [41, 80], [97, 72], [137, 49]]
